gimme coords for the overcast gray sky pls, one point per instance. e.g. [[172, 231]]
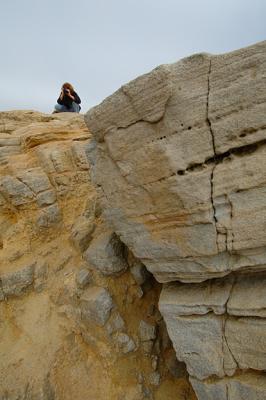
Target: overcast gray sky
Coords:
[[98, 45]]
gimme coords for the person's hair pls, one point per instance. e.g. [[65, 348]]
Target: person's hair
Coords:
[[67, 85]]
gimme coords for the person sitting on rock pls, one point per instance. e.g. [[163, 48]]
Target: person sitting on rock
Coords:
[[68, 101]]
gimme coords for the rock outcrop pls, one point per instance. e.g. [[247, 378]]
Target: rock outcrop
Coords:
[[72, 296], [180, 167]]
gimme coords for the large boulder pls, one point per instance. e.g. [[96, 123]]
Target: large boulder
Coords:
[[180, 159]]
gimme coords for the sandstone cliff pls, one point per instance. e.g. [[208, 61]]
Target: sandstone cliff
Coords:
[[78, 313], [180, 169]]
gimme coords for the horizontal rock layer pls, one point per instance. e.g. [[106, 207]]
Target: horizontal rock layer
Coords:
[[246, 386], [218, 326]]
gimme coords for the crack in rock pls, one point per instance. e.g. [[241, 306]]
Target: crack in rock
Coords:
[[214, 152], [224, 326]]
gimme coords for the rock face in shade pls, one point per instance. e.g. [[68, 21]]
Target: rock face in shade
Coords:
[[184, 147], [180, 162]]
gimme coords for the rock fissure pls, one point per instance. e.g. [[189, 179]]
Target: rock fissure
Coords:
[[221, 157], [227, 392], [213, 207], [226, 316], [207, 109]]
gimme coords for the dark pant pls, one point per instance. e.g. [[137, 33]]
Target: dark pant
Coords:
[[61, 108]]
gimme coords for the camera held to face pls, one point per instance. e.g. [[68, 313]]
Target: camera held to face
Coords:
[[66, 91]]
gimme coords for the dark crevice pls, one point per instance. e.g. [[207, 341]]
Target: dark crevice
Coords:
[[213, 207], [251, 130], [207, 111], [215, 160], [226, 240], [219, 158], [214, 154]]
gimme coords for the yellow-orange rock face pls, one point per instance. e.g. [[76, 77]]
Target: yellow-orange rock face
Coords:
[[69, 330]]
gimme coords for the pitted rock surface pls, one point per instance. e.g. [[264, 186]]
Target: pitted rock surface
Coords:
[[185, 188]]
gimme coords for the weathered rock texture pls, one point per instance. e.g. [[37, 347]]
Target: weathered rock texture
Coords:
[[184, 150], [70, 308], [180, 159]]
